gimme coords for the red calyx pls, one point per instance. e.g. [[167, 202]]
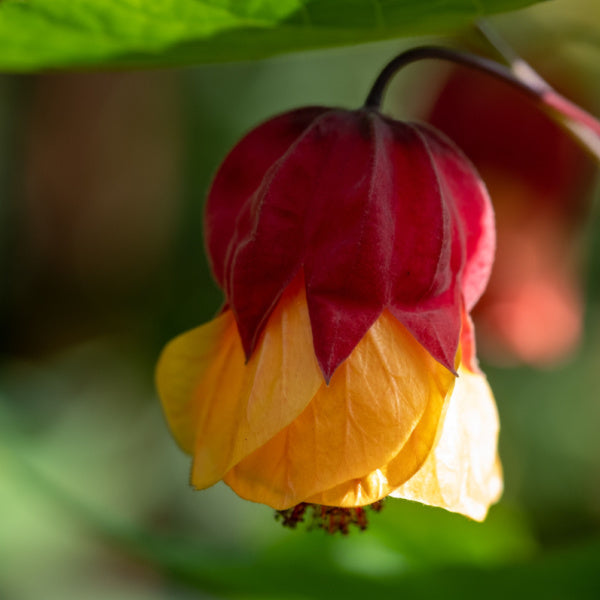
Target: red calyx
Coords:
[[378, 214]]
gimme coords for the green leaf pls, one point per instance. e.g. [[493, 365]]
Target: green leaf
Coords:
[[41, 34]]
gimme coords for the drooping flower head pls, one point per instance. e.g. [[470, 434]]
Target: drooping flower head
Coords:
[[350, 248]]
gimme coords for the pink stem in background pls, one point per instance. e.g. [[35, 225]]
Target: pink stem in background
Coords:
[[582, 125]]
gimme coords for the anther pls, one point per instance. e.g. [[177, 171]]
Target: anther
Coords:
[[332, 519]]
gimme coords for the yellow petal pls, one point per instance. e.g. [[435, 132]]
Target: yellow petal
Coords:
[[376, 399], [220, 409], [462, 473], [181, 367], [382, 481]]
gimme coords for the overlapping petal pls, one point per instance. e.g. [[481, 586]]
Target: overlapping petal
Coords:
[[277, 434], [355, 424], [221, 409], [462, 473]]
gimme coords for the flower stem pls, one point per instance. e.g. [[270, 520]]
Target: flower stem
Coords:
[[582, 125], [467, 59]]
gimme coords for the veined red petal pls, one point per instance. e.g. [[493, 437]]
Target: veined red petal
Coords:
[[241, 174], [462, 473], [474, 214], [390, 242]]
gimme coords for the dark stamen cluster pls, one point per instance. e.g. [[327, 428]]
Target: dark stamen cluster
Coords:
[[329, 518]]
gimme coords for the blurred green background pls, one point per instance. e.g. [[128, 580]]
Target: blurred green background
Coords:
[[103, 178]]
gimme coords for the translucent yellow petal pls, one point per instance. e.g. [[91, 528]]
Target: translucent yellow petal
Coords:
[[221, 409], [182, 366], [462, 473], [375, 401], [382, 481]]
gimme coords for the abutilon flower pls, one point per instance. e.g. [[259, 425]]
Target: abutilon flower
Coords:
[[351, 248]]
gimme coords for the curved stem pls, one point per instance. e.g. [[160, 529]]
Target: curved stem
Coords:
[[535, 89], [583, 126]]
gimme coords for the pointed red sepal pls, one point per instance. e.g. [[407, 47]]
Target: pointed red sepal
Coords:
[[378, 214]]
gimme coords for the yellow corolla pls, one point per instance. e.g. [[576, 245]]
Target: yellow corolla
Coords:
[[392, 420]]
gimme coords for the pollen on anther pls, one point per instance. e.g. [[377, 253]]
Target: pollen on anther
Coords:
[[331, 519]]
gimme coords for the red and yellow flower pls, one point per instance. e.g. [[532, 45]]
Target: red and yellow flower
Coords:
[[351, 248]]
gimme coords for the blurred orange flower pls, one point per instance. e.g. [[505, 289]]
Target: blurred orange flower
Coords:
[[532, 310]]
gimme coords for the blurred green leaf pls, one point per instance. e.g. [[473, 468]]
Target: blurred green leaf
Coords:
[[39, 34], [424, 552], [308, 567]]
